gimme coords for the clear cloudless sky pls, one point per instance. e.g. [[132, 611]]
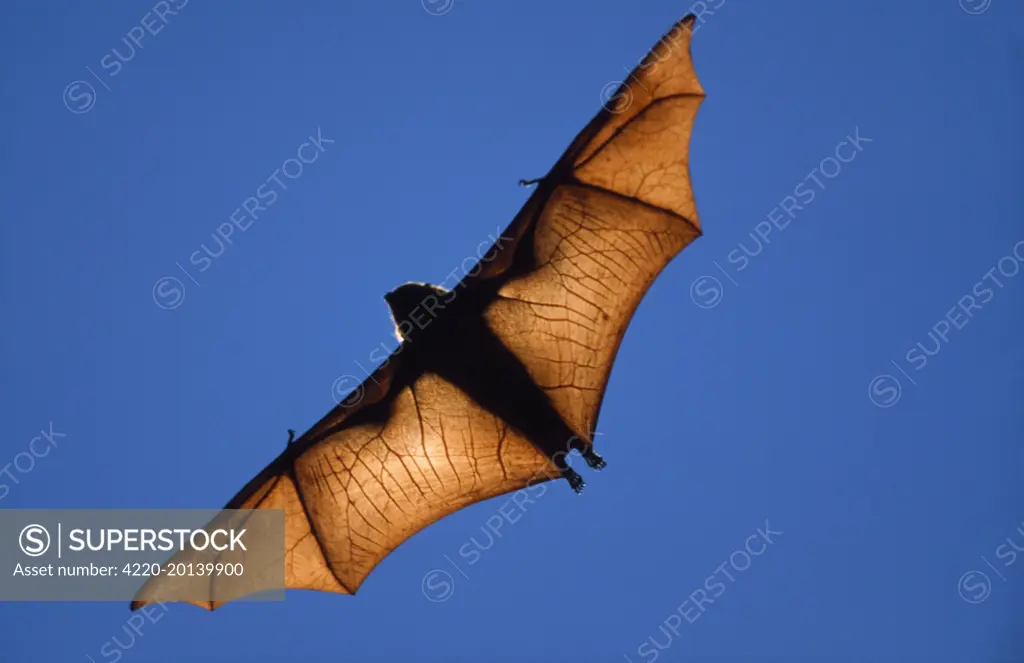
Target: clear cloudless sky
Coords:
[[739, 396]]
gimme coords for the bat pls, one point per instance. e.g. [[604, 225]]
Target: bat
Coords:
[[497, 380]]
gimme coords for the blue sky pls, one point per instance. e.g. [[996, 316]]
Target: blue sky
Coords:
[[786, 395]]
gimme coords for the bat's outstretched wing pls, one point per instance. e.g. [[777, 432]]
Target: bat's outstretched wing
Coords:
[[615, 209], [611, 214], [372, 474]]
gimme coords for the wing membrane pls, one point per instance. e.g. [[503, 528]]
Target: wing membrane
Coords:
[[600, 228], [353, 497], [598, 252]]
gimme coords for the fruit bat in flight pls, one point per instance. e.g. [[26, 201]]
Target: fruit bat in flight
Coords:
[[497, 380]]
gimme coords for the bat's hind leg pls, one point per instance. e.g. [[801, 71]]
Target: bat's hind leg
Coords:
[[574, 479], [593, 460], [586, 450], [569, 474]]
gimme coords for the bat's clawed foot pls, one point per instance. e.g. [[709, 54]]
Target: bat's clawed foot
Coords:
[[593, 460], [528, 182], [574, 479]]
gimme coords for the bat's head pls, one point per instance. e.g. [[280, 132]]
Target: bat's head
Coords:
[[414, 306]]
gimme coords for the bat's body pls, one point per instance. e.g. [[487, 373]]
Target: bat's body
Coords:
[[497, 380], [460, 347]]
